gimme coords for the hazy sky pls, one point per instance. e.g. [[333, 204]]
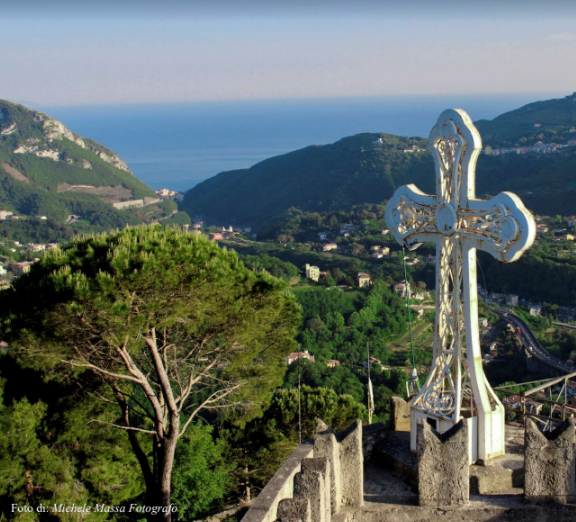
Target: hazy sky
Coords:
[[94, 52]]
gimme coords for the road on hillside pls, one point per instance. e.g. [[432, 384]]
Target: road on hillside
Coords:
[[531, 343]]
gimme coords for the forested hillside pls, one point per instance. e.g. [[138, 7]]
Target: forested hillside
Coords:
[[367, 168], [550, 120]]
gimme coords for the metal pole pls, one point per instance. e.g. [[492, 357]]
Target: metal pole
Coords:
[[565, 400], [299, 403], [407, 292], [368, 383]]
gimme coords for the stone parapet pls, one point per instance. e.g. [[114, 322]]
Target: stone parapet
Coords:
[[316, 481], [295, 509], [549, 464], [280, 486], [352, 465], [326, 446], [443, 469], [312, 486]]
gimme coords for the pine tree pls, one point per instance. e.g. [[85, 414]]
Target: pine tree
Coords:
[[171, 323]]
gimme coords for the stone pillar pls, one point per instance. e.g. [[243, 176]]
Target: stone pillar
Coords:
[[321, 465], [400, 414], [326, 446], [443, 469], [310, 485], [294, 509], [549, 460], [352, 465]]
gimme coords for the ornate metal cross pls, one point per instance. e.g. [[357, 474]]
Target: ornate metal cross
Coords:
[[459, 224]]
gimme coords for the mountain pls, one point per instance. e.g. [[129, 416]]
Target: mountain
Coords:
[[547, 121], [45, 169], [367, 168]]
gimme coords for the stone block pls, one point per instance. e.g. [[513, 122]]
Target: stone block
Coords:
[[352, 465], [549, 464], [400, 414], [310, 485], [321, 465], [293, 509], [443, 470], [326, 446]]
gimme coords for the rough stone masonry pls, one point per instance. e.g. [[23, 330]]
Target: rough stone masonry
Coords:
[[549, 464], [443, 470]]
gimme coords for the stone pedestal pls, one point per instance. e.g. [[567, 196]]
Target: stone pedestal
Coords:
[[400, 414], [443, 469], [294, 509], [310, 485], [549, 461]]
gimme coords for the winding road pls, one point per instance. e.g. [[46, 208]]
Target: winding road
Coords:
[[531, 343]]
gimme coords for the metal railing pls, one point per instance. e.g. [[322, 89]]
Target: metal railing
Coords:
[[558, 405]]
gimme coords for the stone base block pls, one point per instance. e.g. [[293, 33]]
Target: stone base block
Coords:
[[549, 464], [443, 469]]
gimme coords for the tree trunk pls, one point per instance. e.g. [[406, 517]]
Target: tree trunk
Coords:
[[247, 485], [164, 451]]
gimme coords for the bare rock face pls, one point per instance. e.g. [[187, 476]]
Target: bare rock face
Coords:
[[443, 470], [55, 130], [400, 414], [549, 464]]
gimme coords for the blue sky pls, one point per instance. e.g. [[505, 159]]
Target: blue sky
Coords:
[[70, 53]]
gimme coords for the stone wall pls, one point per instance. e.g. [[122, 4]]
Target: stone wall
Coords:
[[316, 481], [280, 486]]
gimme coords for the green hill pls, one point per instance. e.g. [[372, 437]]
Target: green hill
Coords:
[[351, 171], [360, 169], [547, 121], [45, 169]]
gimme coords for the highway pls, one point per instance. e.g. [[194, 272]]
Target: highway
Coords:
[[531, 343]]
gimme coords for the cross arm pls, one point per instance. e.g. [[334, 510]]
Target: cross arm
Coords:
[[410, 216], [501, 226]]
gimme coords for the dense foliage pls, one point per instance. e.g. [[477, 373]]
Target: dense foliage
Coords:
[[540, 275], [170, 325], [338, 324]]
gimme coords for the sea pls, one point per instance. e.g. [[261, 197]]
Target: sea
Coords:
[[179, 145]]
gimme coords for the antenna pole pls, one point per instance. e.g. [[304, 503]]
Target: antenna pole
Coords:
[[299, 403], [369, 395], [407, 292]]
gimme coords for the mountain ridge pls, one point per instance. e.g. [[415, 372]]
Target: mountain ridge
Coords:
[[367, 168], [46, 169]]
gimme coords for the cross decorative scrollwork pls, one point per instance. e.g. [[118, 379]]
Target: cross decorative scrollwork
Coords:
[[459, 224]]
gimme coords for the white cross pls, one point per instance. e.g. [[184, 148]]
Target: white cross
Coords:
[[459, 224]]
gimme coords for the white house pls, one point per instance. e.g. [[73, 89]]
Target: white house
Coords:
[[400, 288], [294, 356], [312, 272], [363, 280]]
